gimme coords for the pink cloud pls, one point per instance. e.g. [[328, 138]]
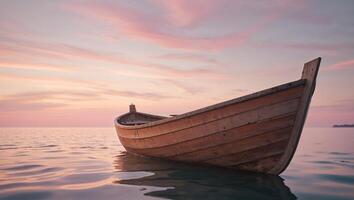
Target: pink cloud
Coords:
[[52, 95], [59, 52], [49, 80], [180, 85], [35, 66], [158, 30], [185, 13], [347, 64], [41, 100], [319, 47], [97, 89], [191, 57], [15, 105], [10, 27], [43, 109]]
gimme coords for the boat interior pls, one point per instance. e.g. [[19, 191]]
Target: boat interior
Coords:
[[136, 118]]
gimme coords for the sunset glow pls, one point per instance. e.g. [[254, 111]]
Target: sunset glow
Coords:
[[81, 63]]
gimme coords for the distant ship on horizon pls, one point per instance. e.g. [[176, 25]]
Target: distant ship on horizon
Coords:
[[343, 126]]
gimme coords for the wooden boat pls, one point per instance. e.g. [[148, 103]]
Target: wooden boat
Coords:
[[257, 132]]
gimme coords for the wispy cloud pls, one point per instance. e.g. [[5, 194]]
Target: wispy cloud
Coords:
[[25, 102], [184, 13], [42, 100], [153, 72], [192, 57], [34, 66], [45, 100], [59, 51], [157, 29], [53, 95], [347, 64], [41, 49], [185, 87], [132, 94], [241, 91], [50, 80], [20, 105], [77, 90], [318, 47]]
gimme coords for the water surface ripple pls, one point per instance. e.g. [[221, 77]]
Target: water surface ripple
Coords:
[[90, 163]]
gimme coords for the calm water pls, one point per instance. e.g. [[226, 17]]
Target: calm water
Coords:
[[89, 163]]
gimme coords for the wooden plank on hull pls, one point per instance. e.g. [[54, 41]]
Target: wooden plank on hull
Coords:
[[238, 120], [212, 115], [235, 147], [234, 159], [219, 138]]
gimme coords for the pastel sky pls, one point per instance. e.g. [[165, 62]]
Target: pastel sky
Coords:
[[81, 63]]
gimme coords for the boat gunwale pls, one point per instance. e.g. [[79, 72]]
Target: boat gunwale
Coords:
[[251, 96]]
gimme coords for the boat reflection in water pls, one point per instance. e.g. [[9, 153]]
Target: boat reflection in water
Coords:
[[183, 181]]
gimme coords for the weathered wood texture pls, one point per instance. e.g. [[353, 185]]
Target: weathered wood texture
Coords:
[[257, 132], [219, 138], [194, 118], [216, 126], [309, 74], [217, 152]]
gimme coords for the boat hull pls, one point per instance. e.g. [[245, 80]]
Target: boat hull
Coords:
[[258, 132]]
